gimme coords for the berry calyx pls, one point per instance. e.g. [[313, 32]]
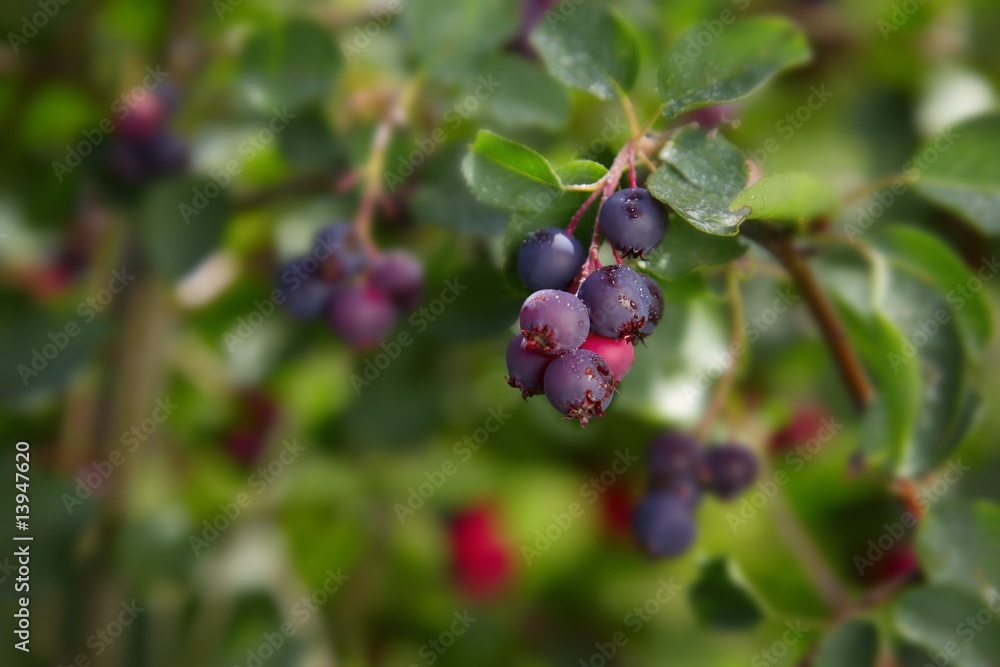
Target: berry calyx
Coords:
[[579, 385], [526, 368], [633, 221], [554, 322], [618, 300]]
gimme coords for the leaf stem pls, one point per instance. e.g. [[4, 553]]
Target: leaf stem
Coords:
[[871, 188], [780, 243]]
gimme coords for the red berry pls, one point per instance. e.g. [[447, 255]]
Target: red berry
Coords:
[[618, 353]]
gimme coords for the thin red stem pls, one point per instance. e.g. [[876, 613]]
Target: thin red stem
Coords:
[[583, 209], [631, 167]]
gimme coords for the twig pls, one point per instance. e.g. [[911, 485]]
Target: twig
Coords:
[[781, 244]]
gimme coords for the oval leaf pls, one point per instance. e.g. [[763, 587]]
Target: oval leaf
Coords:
[[854, 642], [788, 197], [736, 62], [701, 174], [507, 174], [958, 170], [589, 48]]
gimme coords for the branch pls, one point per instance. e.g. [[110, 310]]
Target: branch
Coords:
[[780, 243]]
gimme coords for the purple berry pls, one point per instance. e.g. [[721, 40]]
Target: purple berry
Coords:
[[526, 368], [306, 294], [554, 322], [143, 116], [579, 385], [362, 315], [550, 259], [340, 250], [633, 221], [730, 469], [164, 154], [655, 306], [399, 275], [663, 524], [673, 457], [618, 301]]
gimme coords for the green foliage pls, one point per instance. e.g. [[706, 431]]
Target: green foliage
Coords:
[[793, 198], [720, 602], [590, 48], [735, 63], [701, 175], [854, 642], [957, 171]]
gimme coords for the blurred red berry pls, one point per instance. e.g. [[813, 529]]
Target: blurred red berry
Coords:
[[481, 556]]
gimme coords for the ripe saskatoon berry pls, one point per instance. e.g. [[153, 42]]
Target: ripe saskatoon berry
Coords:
[[362, 315], [144, 117], [673, 458], [730, 469], [663, 525], [655, 306], [633, 221], [554, 322], [618, 353], [344, 253], [526, 368], [164, 154], [399, 275], [579, 385], [550, 259], [618, 300], [307, 295]]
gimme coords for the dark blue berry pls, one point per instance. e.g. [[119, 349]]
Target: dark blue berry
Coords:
[[618, 300], [729, 470], [399, 275], [633, 221], [672, 458], [663, 524], [550, 259], [362, 315], [306, 294], [526, 368], [341, 251], [554, 322], [579, 385]]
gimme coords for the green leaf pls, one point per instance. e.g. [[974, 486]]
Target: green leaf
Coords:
[[180, 225], [788, 197], [930, 257], [523, 95], [958, 170], [447, 36], [507, 174], [720, 601], [590, 48], [701, 175], [686, 249], [736, 62], [290, 64], [42, 351], [936, 617], [854, 643], [958, 542]]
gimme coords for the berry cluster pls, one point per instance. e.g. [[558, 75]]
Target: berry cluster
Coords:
[[144, 146], [361, 291], [679, 470], [576, 346]]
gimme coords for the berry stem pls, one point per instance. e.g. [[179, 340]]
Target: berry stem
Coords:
[[583, 209], [631, 165]]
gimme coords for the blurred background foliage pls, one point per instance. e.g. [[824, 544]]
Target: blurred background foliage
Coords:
[[190, 330]]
